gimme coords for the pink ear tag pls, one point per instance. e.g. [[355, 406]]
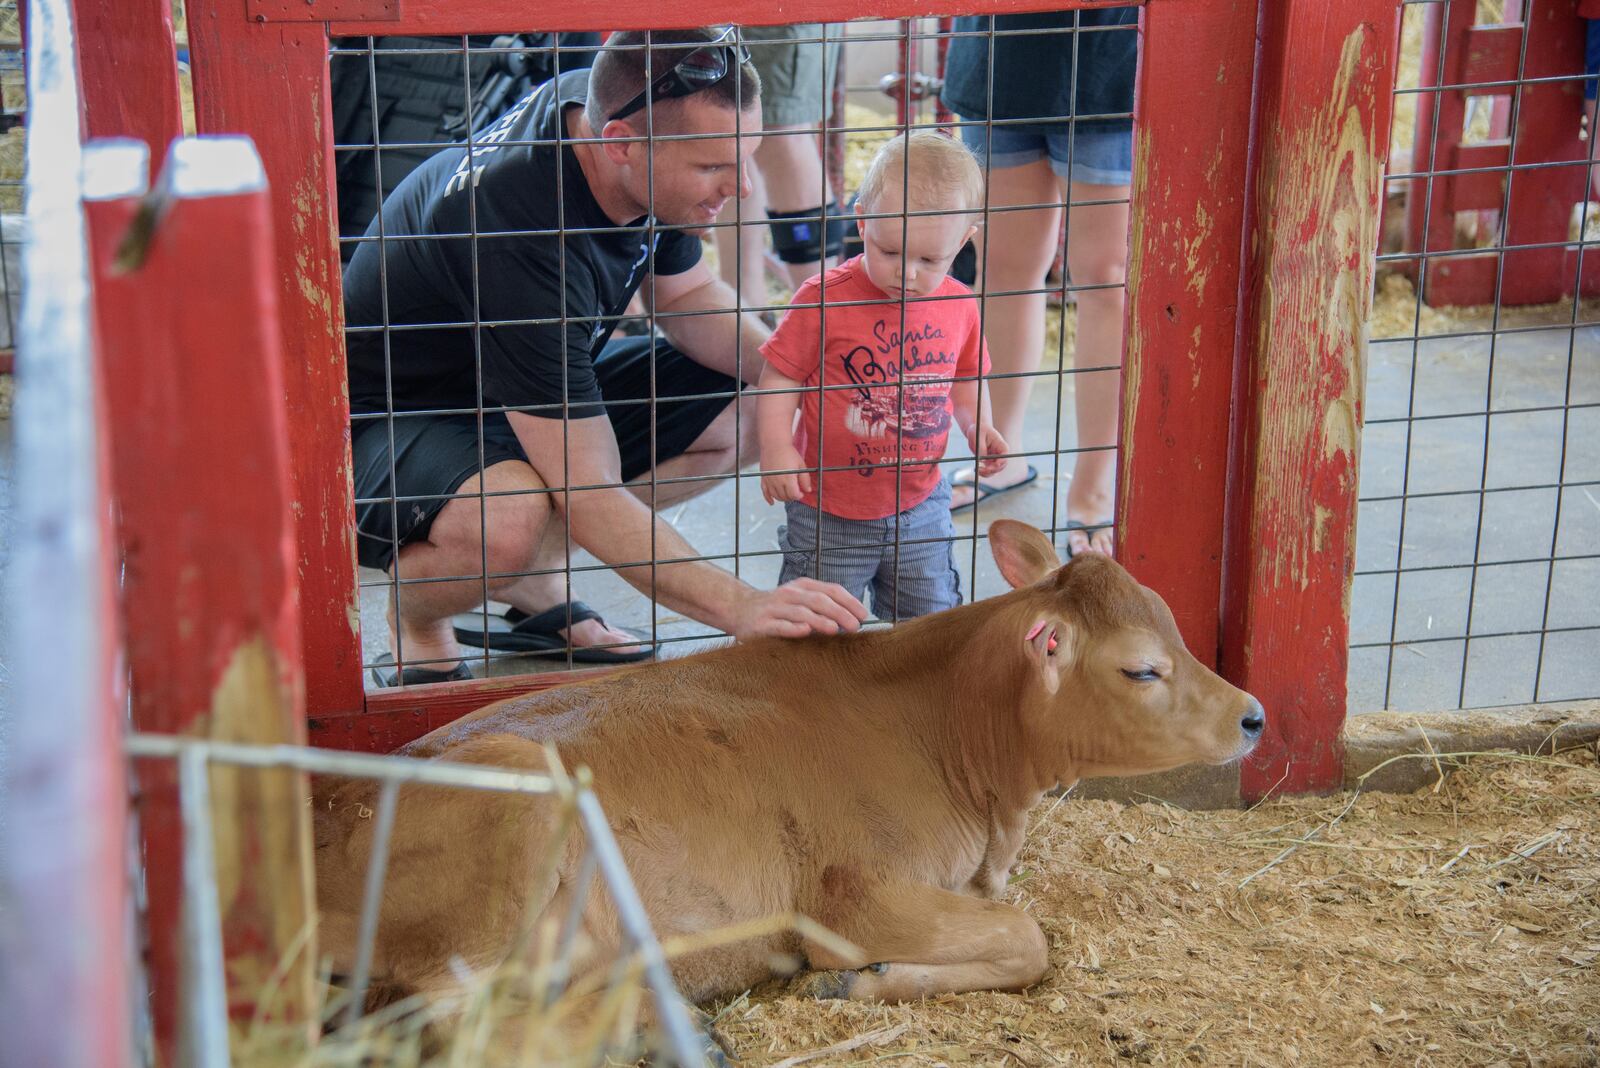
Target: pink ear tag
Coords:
[[1034, 633]]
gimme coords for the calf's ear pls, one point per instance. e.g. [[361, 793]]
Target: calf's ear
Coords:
[[1023, 553], [1048, 645]]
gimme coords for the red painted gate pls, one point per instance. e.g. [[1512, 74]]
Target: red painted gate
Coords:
[[1260, 135]]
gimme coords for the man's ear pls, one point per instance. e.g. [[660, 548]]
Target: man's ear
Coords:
[[1049, 645], [1024, 554], [618, 151]]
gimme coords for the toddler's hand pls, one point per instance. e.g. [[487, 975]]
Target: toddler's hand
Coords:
[[784, 487], [987, 445]]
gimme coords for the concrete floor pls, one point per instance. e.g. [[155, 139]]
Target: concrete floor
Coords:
[[1447, 454], [733, 520], [1510, 533], [1514, 589]]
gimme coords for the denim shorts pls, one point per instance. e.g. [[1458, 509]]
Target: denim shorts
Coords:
[[906, 562], [1591, 57], [1099, 156]]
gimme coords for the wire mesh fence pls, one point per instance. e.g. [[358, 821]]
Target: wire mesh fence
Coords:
[[594, 337], [1478, 559], [533, 991], [13, 105]]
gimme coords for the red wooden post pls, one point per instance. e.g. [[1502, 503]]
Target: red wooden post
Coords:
[[1183, 301], [1547, 125], [130, 71], [1321, 138], [64, 996], [1490, 60], [1432, 203], [209, 591], [269, 80]]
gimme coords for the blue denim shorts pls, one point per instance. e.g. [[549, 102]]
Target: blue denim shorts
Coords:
[[1098, 156], [1591, 57], [906, 562]]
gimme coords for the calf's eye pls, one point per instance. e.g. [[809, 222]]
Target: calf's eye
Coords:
[[1142, 674]]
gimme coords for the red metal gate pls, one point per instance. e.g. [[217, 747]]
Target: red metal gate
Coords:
[[1261, 133], [1233, 270]]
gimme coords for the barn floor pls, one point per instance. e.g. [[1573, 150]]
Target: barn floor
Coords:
[[1403, 929], [1441, 459]]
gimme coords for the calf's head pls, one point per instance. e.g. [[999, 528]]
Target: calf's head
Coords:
[[1109, 688]]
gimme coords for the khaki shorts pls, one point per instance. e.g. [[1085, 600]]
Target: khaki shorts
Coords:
[[796, 79]]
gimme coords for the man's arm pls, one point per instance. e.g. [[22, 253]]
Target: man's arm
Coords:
[[723, 341], [620, 529]]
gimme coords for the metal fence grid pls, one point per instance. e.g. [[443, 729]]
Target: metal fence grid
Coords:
[[1477, 577], [13, 104], [726, 521], [207, 1037]]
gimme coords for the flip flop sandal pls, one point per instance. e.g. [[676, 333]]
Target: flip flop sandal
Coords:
[[982, 491], [1087, 528], [416, 676], [540, 635]]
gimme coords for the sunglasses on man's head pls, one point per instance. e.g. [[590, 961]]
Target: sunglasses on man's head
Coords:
[[700, 69]]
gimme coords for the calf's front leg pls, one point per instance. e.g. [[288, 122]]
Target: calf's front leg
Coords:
[[920, 940]]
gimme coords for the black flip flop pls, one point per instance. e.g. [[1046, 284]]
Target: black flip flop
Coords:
[[416, 676], [540, 635], [982, 491], [1087, 528]]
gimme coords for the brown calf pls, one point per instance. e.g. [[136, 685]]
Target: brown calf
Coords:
[[877, 782]]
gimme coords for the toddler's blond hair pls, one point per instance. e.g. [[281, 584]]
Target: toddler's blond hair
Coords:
[[936, 171]]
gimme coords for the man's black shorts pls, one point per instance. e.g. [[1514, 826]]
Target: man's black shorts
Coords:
[[433, 454]]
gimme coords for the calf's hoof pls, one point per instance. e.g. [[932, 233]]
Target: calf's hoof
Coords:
[[825, 985], [832, 985]]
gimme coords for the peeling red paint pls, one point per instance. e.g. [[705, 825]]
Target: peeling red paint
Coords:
[[1323, 135], [243, 74], [210, 622]]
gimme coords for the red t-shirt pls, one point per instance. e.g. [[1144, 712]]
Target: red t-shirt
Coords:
[[868, 422]]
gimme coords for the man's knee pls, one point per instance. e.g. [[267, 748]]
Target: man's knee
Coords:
[[748, 433], [731, 434], [513, 530], [494, 526]]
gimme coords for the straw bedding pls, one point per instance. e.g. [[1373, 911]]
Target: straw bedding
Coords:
[[1459, 925]]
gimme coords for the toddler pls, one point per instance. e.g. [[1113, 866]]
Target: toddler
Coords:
[[876, 355]]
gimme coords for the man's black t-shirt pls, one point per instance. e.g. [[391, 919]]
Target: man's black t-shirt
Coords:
[[510, 189]]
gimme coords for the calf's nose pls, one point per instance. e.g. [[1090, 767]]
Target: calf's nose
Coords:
[[1254, 720]]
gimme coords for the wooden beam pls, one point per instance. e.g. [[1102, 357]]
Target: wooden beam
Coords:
[[130, 72], [209, 576], [64, 975], [1190, 153], [1326, 78], [270, 82], [496, 16]]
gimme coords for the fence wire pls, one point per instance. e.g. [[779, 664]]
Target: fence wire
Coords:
[[398, 102], [1477, 576], [206, 1036]]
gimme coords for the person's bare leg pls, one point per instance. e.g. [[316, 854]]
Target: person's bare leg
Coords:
[[791, 169], [742, 251], [713, 452], [1020, 246], [1097, 253], [1591, 122], [419, 612]]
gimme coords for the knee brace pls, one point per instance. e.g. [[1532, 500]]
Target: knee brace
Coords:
[[797, 237]]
